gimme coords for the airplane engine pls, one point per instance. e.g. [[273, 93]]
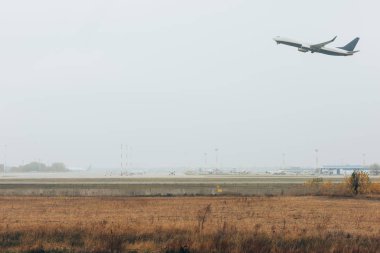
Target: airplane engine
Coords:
[[303, 49]]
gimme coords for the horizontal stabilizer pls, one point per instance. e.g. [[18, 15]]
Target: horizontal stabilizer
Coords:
[[354, 52]]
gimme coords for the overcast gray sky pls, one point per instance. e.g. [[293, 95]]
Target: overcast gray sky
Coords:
[[177, 79]]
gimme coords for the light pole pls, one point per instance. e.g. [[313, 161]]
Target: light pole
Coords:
[[5, 159], [126, 160], [364, 163], [121, 159], [316, 161], [216, 159]]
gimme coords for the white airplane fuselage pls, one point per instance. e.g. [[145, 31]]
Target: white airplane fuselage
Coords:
[[307, 47]]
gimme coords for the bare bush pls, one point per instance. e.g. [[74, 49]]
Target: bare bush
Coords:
[[202, 216], [358, 183]]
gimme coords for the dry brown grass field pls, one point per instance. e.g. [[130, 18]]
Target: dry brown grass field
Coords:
[[189, 224]]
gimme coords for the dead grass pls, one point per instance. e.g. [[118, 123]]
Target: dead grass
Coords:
[[189, 224]]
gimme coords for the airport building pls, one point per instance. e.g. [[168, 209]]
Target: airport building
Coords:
[[342, 169]]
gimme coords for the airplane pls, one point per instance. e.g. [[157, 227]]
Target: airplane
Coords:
[[347, 50]]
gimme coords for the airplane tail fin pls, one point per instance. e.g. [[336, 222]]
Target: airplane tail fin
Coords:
[[351, 46]]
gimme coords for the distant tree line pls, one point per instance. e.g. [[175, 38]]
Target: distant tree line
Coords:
[[40, 167]]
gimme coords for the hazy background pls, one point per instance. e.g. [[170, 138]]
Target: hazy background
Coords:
[[177, 79]]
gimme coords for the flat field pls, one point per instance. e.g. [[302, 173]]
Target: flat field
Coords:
[[189, 224]]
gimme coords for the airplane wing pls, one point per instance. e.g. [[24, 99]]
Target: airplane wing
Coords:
[[323, 44]]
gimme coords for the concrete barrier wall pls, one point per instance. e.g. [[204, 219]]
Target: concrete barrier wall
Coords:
[[151, 189]]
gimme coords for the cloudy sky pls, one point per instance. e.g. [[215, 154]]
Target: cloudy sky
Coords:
[[177, 79]]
